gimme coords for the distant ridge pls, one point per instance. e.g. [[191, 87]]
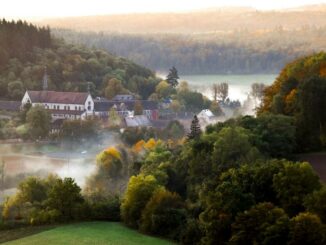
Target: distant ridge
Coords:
[[220, 19]]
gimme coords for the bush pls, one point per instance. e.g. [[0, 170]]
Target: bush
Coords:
[[191, 233], [107, 209], [164, 214]]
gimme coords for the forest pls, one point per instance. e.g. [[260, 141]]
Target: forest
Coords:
[[231, 41], [27, 50]]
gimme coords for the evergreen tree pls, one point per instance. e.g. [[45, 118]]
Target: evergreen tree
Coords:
[[195, 130], [172, 77]]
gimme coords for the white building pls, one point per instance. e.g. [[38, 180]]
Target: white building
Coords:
[[206, 116], [62, 105]]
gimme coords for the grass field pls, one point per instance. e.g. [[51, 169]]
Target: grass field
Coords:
[[90, 233]]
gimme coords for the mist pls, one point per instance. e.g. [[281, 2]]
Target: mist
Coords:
[[31, 159]]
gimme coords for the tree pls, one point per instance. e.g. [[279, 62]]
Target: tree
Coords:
[[216, 109], [306, 228], [164, 90], [172, 77], [175, 130], [293, 183], [114, 87], [175, 106], [138, 108], [114, 118], [32, 190], [65, 196], [195, 130], [262, 224], [222, 90], [38, 120], [232, 147], [316, 203], [257, 91], [164, 214], [16, 90], [139, 191]]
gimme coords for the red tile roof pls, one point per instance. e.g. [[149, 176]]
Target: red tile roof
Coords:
[[57, 97]]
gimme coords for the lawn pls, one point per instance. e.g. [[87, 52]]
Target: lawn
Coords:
[[90, 233]]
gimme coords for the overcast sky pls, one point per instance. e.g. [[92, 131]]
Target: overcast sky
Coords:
[[61, 8]]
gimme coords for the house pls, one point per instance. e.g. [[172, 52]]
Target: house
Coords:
[[62, 105], [206, 116], [125, 108]]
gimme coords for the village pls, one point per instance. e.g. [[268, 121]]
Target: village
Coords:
[[131, 111]]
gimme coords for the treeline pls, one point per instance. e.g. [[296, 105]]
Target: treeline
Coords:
[[299, 91], [238, 51], [69, 67], [205, 21]]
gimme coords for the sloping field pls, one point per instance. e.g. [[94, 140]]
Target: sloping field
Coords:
[[90, 233]]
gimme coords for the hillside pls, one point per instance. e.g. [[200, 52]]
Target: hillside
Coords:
[[90, 233], [299, 91], [231, 40], [27, 50], [195, 22]]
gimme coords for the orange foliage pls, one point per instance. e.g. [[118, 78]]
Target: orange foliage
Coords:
[[113, 152], [322, 71], [150, 144], [290, 100], [139, 146]]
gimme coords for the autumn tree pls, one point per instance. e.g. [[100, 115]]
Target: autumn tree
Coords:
[[139, 191], [114, 87]]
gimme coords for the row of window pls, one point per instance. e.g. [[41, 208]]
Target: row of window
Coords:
[[67, 108]]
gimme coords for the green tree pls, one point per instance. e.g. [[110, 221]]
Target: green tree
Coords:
[[172, 77], [16, 90], [38, 120], [316, 203], [306, 228], [293, 183], [164, 214], [232, 147], [32, 190], [195, 130], [261, 224], [114, 87], [65, 196], [139, 191]]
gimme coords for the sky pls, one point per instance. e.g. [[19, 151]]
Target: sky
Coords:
[[64, 8]]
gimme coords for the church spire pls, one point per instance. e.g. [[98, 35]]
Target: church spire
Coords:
[[45, 80], [89, 87]]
